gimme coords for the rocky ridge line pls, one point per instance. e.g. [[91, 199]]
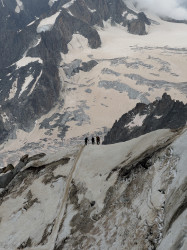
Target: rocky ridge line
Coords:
[[161, 114]]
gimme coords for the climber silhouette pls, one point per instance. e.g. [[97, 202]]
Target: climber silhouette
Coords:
[[86, 140], [93, 140], [98, 140]]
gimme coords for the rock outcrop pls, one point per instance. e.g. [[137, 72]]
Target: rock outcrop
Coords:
[[164, 113], [10, 172]]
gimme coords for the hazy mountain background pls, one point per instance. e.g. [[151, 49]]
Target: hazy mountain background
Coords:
[[176, 9]]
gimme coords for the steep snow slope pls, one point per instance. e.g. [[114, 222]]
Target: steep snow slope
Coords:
[[121, 196]]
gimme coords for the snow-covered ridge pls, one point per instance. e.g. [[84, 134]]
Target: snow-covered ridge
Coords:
[[99, 192]]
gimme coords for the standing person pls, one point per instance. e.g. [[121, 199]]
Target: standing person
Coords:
[[98, 140], [86, 140], [93, 140]]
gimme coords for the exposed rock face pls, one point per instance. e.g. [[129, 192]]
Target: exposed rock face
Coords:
[[138, 26], [164, 113], [30, 56], [11, 172]]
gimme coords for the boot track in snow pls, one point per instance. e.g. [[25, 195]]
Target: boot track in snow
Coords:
[[63, 204]]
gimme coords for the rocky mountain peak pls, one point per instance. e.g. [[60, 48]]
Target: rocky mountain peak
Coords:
[[144, 118]]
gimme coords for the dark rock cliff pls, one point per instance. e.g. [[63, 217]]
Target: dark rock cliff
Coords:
[[161, 114]]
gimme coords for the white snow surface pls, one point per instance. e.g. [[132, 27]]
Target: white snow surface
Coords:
[[26, 83], [68, 4], [158, 116], [31, 23], [26, 60], [131, 17], [137, 121], [179, 149], [47, 23], [36, 82], [13, 89], [96, 163], [19, 222], [19, 6], [91, 10], [90, 175]]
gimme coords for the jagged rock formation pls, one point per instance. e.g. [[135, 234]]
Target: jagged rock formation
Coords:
[[9, 172], [128, 195], [138, 26], [32, 36], [164, 113]]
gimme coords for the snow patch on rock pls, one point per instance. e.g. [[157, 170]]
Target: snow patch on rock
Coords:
[[158, 116], [91, 10], [2, 3], [25, 86], [19, 6], [47, 23], [131, 17], [13, 89], [67, 5], [26, 60], [34, 84], [137, 121], [4, 117], [51, 2]]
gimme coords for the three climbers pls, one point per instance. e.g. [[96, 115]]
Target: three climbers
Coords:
[[92, 140]]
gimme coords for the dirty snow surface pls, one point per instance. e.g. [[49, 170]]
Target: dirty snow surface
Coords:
[[100, 197]]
